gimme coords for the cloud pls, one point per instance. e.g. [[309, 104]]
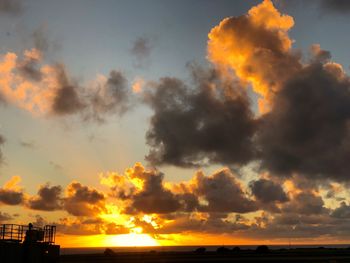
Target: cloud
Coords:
[[307, 129], [111, 96], [305, 203], [141, 49], [144, 191], [153, 198], [11, 193], [40, 38], [28, 144], [28, 67], [12, 7], [42, 89], [303, 123], [343, 211], [66, 99], [338, 6], [4, 217], [48, 199], [222, 193], [2, 142], [216, 122], [268, 191], [246, 44], [82, 200]]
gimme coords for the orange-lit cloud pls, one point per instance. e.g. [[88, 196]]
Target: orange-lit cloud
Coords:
[[257, 48], [43, 89], [11, 193]]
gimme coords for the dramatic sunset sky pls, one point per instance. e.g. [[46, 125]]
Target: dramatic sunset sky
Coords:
[[189, 122]]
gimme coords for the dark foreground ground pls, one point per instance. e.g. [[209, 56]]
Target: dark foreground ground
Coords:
[[286, 255]]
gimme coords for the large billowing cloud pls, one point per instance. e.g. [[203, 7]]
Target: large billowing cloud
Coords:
[[194, 126], [303, 123]]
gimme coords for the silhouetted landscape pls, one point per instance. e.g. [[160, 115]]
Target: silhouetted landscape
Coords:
[[223, 254]]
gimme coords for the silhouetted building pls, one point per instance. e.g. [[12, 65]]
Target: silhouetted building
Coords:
[[28, 244]]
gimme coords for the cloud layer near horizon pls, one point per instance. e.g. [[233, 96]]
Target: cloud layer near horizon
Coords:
[[141, 201]]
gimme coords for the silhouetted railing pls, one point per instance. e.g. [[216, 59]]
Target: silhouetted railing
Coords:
[[18, 233]]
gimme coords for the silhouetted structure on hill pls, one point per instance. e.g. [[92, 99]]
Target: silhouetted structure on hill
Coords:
[[28, 244]]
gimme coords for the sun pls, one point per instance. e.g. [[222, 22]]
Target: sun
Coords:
[[133, 240]]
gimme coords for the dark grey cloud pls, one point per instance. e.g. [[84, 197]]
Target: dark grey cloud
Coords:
[[223, 193], [107, 99], [48, 199], [307, 129], [339, 6], [343, 211], [13, 7], [153, 198], [67, 100], [194, 126], [11, 197], [305, 203], [141, 49], [83, 200], [113, 97], [268, 191], [212, 225], [29, 68]]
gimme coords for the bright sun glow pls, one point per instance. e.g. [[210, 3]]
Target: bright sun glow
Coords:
[[133, 240]]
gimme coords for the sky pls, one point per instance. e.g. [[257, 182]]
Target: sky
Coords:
[[194, 122]]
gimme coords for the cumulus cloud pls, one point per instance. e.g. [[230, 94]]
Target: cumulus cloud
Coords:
[[216, 122], [11, 193], [246, 44], [222, 193], [343, 211], [145, 191], [153, 198], [268, 191], [82, 200], [48, 198], [303, 124]]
